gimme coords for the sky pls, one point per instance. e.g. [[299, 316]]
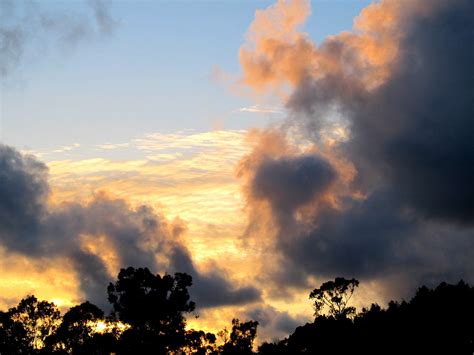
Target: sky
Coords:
[[263, 147], [136, 76]]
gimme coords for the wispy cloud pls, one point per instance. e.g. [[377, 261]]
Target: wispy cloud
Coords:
[[26, 22], [187, 174], [54, 152], [262, 110], [111, 146], [66, 148]]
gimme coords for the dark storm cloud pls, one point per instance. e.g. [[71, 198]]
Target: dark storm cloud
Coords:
[[288, 183], [23, 21], [366, 240], [135, 235], [212, 289], [416, 130], [23, 192], [429, 155], [92, 275], [82, 233], [274, 322], [412, 143]]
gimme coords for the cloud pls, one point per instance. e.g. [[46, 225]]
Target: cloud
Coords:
[[187, 174], [112, 146], [262, 110], [105, 22], [23, 194], [288, 183], [277, 54], [275, 50], [401, 85], [66, 148], [97, 237], [414, 128], [272, 323], [23, 21], [212, 289]]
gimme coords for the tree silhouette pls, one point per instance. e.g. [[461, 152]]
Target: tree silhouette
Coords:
[[13, 336], [154, 307], [78, 334], [199, 343], [39, 320], [335, 296], [241, 338], [434, 321], [280, 347]]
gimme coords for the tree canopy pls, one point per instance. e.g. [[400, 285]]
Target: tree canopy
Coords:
[[334, 296], [154, 307], [241, 338], [149, 317], [434, 321], [39, 320]]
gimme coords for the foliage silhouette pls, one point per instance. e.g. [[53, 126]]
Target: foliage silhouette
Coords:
[[153, 306], [200, 343], [39, 320], [335, 296], [434, 321], [13, 336], [77, 333], [149, 318], [240, 340]]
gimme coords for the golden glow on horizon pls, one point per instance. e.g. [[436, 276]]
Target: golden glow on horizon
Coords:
[[51, 279]]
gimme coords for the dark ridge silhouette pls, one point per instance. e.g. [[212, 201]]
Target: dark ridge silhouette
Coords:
[[434, 321], [149, 317]]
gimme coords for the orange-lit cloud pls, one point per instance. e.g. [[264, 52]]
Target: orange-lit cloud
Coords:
[[277, 53], [286, 181], [274, 145]]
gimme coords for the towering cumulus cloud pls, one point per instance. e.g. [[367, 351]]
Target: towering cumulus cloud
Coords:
[[97, 238], [401, 85]]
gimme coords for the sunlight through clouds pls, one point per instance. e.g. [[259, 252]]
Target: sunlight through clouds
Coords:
[[190, 175], [51, 279]]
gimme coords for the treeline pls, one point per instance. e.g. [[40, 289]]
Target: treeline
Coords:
[[434, 321], [148, 317]]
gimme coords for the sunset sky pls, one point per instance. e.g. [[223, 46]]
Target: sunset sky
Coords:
[[262, 147]]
